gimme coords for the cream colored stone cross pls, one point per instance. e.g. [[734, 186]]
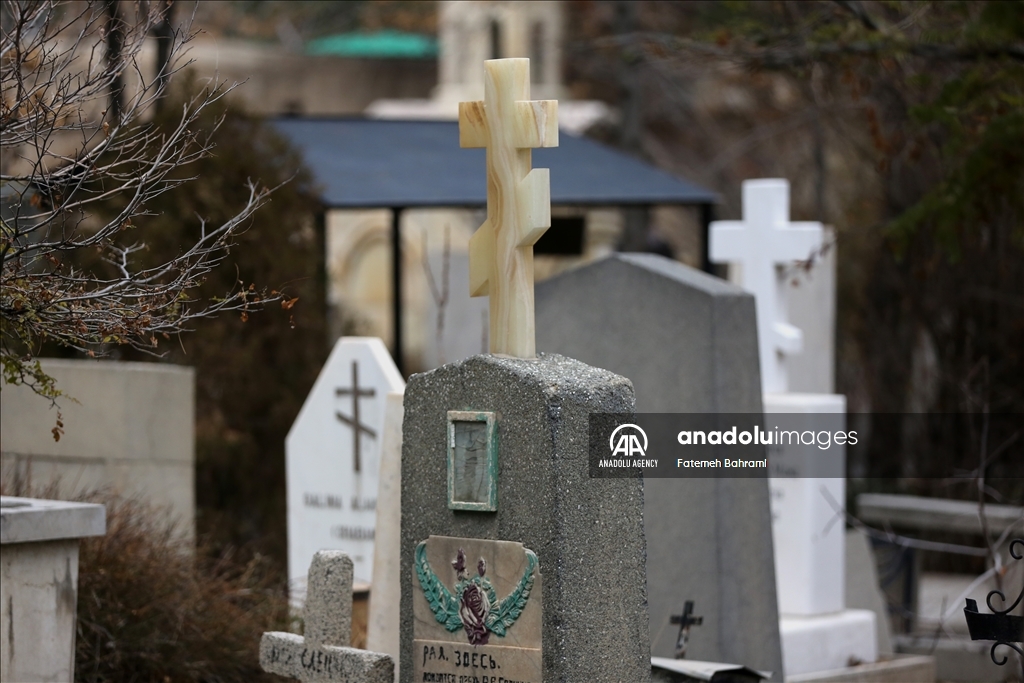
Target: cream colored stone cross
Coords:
[[509, 125]]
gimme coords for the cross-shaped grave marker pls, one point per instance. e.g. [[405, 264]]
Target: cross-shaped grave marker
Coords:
[[358, 428], [762, 242], [508, 124], [685, 621], [324, 654]]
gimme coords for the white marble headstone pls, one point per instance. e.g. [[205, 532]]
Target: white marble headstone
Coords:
[[332, 457], [816, 630]]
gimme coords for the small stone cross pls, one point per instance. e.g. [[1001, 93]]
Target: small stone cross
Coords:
[[760, 243], [358, 428], [324, 654], [509, 125]]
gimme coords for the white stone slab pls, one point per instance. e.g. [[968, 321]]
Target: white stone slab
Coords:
[[28, 520], [465, 325], [382, 629], [705, 671], [827, 642], [332, 493], [918, 512], [762, 243], [807, 525], [39, 592]]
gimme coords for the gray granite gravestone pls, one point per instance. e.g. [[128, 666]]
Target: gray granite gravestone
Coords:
[[688, 342], [495, 493], [323, 655]]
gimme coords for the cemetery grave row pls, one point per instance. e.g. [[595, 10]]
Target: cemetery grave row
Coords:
[[512, 563]]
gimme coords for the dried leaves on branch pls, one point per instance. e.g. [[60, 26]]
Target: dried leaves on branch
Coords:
[[77, 138]]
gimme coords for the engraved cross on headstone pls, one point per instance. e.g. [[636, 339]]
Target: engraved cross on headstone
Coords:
[[324, 654], [358, 428], [762, 242], [509, 125]]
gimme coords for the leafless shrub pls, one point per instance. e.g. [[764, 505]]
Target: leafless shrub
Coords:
[[154, 607], [150, 609]]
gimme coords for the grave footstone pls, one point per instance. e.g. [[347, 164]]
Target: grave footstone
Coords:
[[323, 654], [495, 463], [688, 342], [691, 671], [808, 487], [332, 454]]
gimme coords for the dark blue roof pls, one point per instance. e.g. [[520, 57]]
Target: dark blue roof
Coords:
[[374, 163]]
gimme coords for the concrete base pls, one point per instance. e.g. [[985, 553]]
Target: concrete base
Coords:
[[39, 593], [39, 585], [827, 642], [897, 669]]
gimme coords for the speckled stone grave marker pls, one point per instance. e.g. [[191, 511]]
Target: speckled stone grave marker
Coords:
[[688, 342], [496, 485], [324, 654]]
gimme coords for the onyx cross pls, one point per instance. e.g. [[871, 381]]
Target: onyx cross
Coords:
[[357, 427], [685, 621], [509, 124]]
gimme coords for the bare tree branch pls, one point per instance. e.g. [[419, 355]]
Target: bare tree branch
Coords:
[[76, 135], [857, 9], [779, 56]]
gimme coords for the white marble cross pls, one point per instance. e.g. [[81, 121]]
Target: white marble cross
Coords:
[[761, 243], [324, 654], [509, 124]]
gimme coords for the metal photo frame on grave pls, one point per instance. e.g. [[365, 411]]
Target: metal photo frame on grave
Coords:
[[472, 460]]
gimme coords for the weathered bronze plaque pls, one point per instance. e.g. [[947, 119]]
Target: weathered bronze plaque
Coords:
[[472, 461]]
